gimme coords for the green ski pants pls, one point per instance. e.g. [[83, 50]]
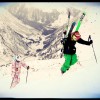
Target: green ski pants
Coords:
[[69, 60]]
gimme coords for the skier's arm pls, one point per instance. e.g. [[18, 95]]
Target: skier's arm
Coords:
[[81, 41], [24, 65]]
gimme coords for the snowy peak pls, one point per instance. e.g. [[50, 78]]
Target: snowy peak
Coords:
[[40, 32], [16, 37], [31, 15]]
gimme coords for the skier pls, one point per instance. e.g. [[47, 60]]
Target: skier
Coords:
[[16, 70], [70, 49]]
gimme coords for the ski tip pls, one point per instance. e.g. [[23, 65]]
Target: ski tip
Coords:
[[68, 14], [84, 13], [74, 23]]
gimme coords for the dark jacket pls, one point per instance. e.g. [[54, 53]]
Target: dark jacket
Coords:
[[69, 45]]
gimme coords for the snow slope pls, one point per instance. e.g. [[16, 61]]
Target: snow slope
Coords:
[[46, 81]]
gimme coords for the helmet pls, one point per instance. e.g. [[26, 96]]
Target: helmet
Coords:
[[17, 58], [76, 36]]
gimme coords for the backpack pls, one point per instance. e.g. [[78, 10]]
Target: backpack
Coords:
[[68, 45]]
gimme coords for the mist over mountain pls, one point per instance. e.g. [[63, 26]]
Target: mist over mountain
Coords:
[[33, 16]]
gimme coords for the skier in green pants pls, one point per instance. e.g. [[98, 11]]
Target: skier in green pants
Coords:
[[70, 49]]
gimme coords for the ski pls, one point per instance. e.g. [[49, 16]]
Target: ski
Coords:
[[65, 33], [80, 21], [72, 27], [68, 23], [70, 31]]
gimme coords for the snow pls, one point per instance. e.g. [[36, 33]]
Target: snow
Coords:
[[60, 21], [45, 79]]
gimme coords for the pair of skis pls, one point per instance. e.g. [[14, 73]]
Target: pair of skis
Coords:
[[78, 25], [73, 24]]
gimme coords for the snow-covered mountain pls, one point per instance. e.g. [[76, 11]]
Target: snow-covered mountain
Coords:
[[33, 16], [31, 31], [16, 37], [44, 78], [51, 24]]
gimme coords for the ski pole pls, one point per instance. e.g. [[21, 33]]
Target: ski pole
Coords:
[[26, 75], [93, 48]]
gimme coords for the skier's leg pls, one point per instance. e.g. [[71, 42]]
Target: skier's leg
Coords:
[[16, 80], [66, 64], [74, 59], [13, 84]]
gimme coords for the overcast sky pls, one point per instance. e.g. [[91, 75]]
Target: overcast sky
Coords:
[[89, 7], [57, 4]]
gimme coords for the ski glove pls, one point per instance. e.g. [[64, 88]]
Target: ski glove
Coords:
[[27, 67], [63, 41], [64, 32], [90, 42]]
